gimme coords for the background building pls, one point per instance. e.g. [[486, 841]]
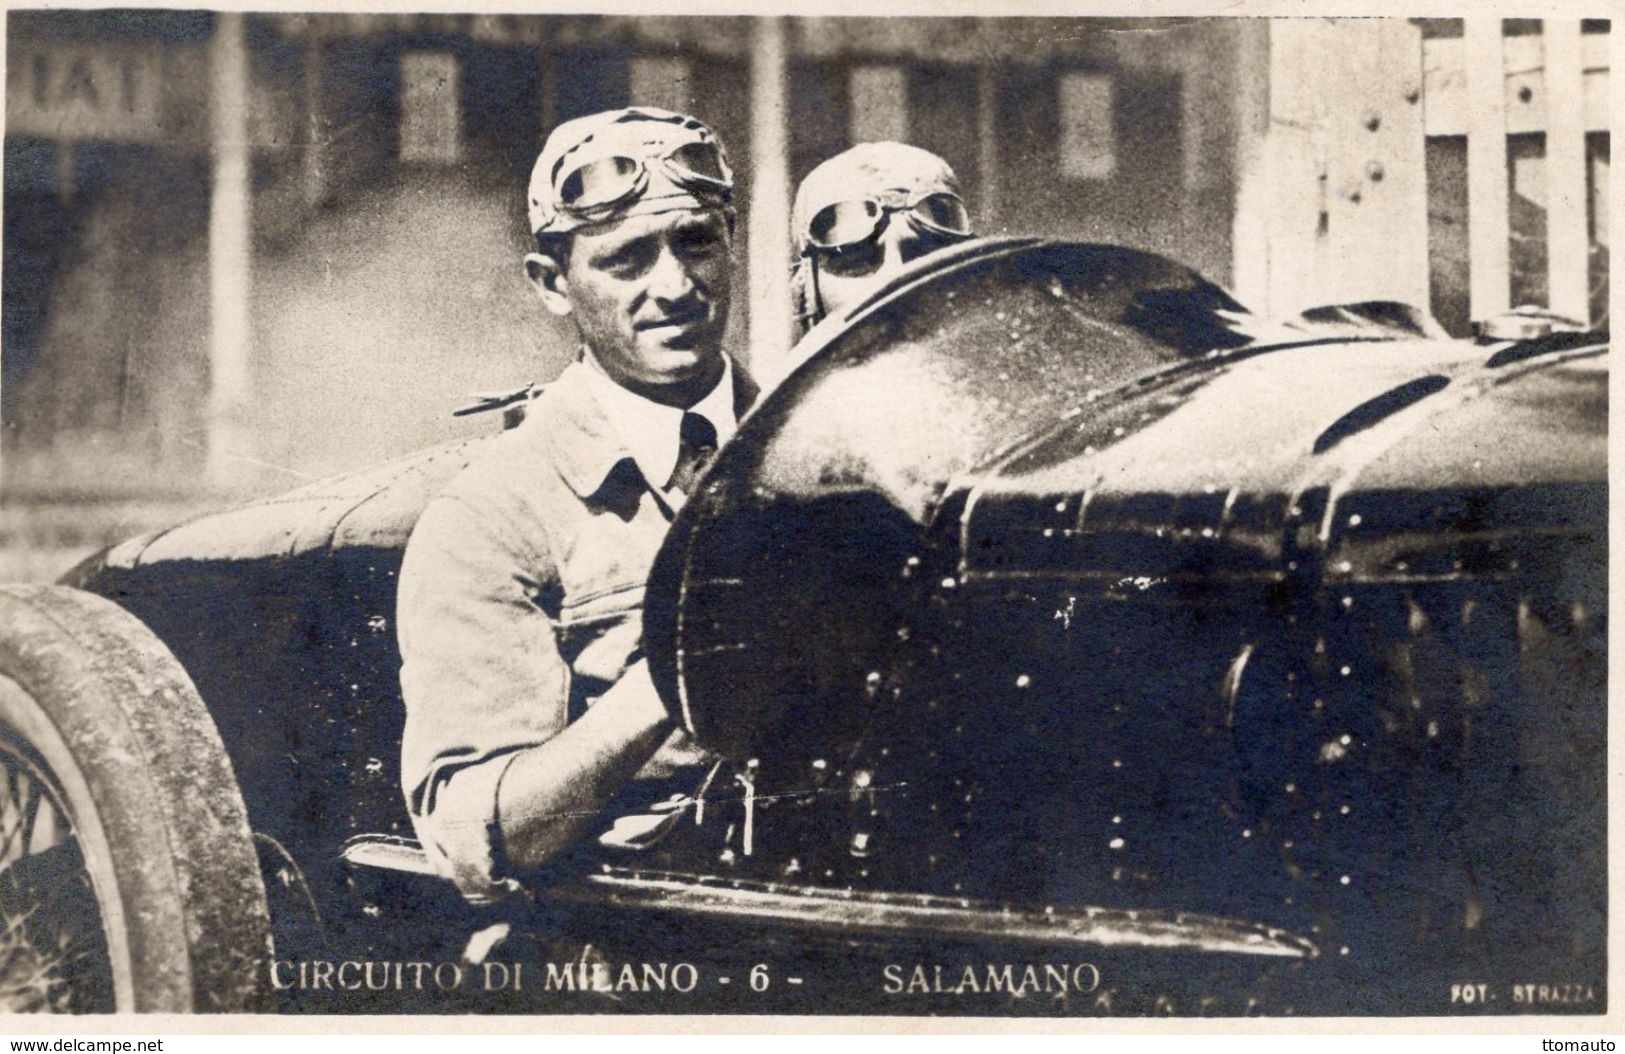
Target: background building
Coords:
[[242, 251]]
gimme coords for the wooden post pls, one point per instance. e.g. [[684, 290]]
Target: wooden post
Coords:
[[318, 126], [1204, 131], [1331, 196], [987, 140], [230, 233], [67, 156], [769, 220], [1376, 241], [1297, 195], [1490, 285], [1249, 227], [1567, 264], [549, 90]]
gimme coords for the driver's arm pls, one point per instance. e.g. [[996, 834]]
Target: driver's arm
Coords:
[[553, 793], [496, 777]]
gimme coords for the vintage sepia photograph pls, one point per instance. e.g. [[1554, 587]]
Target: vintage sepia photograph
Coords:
[[998, 517]]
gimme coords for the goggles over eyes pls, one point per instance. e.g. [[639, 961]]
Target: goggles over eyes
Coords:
[[598, 188], [845, 224]]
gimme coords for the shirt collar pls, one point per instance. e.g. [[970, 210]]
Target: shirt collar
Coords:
[[650, 431]]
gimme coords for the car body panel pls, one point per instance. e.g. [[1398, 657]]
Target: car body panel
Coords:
[[1262, 632]]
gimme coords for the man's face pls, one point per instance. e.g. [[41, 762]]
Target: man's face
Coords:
[[851, 274], [650, 295]]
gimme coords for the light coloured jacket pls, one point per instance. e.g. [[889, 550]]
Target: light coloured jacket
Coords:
[[521, 602]]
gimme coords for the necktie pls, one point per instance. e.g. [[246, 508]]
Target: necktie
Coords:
[[696, 446]]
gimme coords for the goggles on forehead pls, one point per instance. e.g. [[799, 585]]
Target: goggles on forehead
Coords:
[[852, 222], [597, 188]]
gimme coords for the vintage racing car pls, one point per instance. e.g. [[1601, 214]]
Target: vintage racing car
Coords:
[[1071, 641]]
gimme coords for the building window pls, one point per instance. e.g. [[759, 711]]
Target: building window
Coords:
[[1088, 135], [431, 114], [661, 82], [879, 104]]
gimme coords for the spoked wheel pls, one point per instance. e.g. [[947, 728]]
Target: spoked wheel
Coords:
[[55, 952], [128, 878]]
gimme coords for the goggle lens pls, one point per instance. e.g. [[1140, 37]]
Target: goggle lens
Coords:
[[598, 183], [943, 212], [844, 223], [702, 161]]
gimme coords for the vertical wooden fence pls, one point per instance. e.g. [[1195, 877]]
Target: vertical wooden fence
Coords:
[[1354, 148], [1550, 81]]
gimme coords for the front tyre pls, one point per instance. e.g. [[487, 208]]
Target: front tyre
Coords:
[[128, 877]]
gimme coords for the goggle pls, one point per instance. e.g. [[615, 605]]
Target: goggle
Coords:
[[845, 224], [597, 188]]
